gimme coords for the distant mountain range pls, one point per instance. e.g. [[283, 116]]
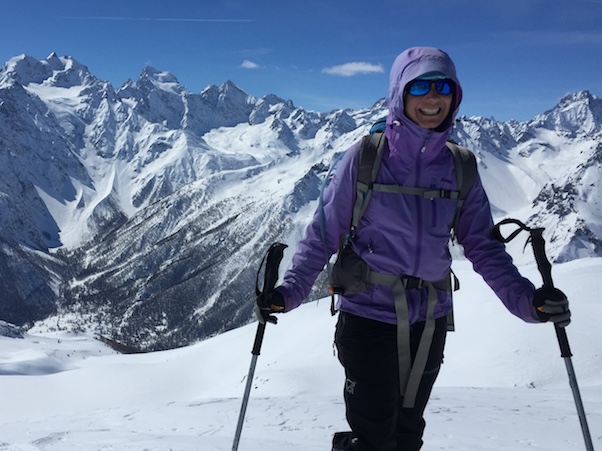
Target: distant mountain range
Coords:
[[143, 211]]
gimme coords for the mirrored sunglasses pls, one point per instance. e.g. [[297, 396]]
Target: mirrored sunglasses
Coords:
[[420, 87]]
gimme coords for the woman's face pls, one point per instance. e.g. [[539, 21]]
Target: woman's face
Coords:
[[429, 110]]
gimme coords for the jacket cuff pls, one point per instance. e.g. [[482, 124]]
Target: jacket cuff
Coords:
[[288, 301]]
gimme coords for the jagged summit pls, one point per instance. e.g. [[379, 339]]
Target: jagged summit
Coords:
[[160, 80], [226, 93], [25, 69], [55, 62], [573, 97], [576, 114], [54, 71], [150, 71]]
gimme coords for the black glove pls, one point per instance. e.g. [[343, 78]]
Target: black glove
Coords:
[[272, 302], [551, 304]]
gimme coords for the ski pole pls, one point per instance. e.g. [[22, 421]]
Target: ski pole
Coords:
[[245, 400], [272, 261], [545, 269]]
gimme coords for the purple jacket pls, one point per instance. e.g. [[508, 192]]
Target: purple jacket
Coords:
[[404, 234]]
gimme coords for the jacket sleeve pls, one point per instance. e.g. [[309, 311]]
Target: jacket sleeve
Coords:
[[489, 257], [311, 253]]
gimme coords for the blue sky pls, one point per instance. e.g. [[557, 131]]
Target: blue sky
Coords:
[[515, 58]]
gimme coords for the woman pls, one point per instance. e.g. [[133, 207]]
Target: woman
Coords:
[[389, 375]]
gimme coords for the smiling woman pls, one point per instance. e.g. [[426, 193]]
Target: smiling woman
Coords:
[[389, 223], [428, 100]]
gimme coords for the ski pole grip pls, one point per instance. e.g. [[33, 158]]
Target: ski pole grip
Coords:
[[563, 341], [543, 264], [258, 339], [545, 268]]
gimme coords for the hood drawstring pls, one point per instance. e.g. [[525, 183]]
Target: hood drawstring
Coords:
[[426, 142]]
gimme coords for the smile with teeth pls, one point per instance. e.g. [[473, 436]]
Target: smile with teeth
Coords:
[[430, 111]]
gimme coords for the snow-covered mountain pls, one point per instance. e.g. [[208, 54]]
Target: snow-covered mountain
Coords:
[[146, 209]]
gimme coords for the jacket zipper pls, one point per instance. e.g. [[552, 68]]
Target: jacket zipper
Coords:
[[420, 232]]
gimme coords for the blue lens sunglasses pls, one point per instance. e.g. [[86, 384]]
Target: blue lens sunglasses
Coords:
[[420, 87]]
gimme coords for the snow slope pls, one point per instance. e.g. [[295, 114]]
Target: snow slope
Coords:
[[503, 385]]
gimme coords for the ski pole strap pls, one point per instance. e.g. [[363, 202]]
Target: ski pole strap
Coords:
[[497, 234], [538, 244]]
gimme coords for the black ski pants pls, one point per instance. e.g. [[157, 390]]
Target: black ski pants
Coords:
[[367, 349]]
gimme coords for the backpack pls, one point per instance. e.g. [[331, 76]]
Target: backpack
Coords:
[[371, 152], [351, 274]]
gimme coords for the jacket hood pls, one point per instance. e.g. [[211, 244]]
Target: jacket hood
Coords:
[[411, 64]]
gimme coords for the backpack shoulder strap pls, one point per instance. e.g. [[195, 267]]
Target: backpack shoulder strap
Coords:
[[371, 154], [466, 174]]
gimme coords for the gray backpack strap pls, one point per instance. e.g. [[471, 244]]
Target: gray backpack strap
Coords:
[[371, 155], [466, 174], [410, 373], [417, 368]]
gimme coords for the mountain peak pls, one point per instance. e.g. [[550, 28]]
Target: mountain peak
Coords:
[[56, 71], [25, 69], [227, 93], [578, 96], [161, 76], [162, 80], [578, 113], [229, 85], [581, 99]]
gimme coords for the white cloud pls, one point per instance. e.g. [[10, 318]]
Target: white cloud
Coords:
[[355, 68], [247, 64]]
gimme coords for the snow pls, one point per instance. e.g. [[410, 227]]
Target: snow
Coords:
[[503, 385], [63, 101]]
